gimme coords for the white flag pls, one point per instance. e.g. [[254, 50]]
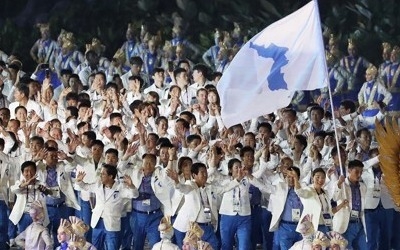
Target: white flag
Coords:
[[286, 56]]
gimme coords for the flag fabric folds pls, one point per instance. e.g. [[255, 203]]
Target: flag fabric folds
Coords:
[[286, 56]]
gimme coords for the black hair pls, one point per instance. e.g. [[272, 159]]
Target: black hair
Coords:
[[135, 105], [362, 130], [38, 139], [73, 110], [158, 70], [334, 151], [185, 123], [302, 139], [65, 72], [201, 68], [14, 138], [91, 135], [355, 163], [111, 85], [348, 104], [115, 115], [98, 142], [181, 161], [215, 75], [296, 169], [114, 129], [196, 167], [179, 71], [24, 89], [160, 118], [82, 124], [319, 109], [111, 170], [140, 79], [321, 133], [136, 60], [84, 104], [291, 111], [246, 149], [231, 162], [265, 125], [193, 137], [189, 114], [112, 151], [164, 143], [152, 157], [318, 170], [84, 97], [47, 144], [28, 164], [72, 96]]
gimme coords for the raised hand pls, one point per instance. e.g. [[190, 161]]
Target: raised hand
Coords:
[[173, 175], [172, 153], [80, 176], [242, 172], [73, 144], [62, 155], [26, 183], [341, 180], [40, 155], [128, 181], [27, 129], [131, 150]]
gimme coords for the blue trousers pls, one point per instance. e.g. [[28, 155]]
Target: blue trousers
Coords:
[[395, 241], [143, 225], [103, 239], [178, 236], [55, 215], [86, 215], [256, 221], [268, 237], [210, 236], [286, 235], [3, 224], [379, 227], [355, 235], [24, 222], [126, 232], [235, 225], [323, 228]]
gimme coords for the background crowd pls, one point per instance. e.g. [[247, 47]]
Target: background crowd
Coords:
[[132, 148]]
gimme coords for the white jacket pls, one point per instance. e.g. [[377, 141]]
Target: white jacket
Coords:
[[109, 207]]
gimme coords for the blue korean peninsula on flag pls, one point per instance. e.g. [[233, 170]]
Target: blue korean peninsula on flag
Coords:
[[286, 56]]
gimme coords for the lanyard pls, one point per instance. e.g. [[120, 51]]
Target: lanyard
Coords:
[[234, 195], [324, 203], [27, 194], [204, 200]]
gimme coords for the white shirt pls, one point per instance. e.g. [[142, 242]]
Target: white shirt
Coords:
[[30, 105]]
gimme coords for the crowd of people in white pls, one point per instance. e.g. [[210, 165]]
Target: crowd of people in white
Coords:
[[131, 150]]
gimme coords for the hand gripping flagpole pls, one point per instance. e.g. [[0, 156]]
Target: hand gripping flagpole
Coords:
[[331, 101], [332, 107]]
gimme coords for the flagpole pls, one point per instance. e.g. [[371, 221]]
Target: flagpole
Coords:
[[330, 98]]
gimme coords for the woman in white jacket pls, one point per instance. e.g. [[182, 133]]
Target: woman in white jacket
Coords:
[[316, 201]]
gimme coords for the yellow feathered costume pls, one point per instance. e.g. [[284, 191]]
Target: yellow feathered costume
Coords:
[[388, 138]]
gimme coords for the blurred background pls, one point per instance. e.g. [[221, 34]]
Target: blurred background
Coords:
[[369, 21]]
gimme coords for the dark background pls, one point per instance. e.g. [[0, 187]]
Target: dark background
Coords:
[[369, 21]]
